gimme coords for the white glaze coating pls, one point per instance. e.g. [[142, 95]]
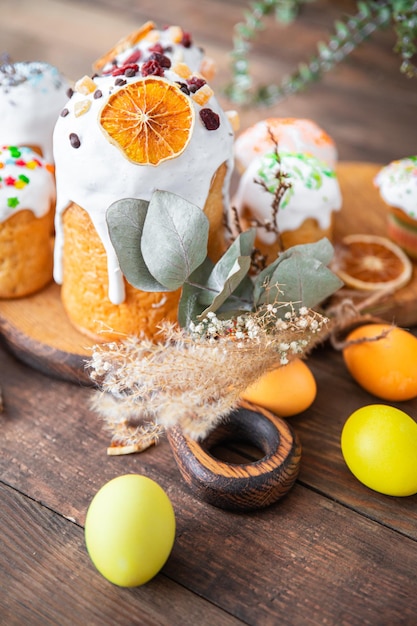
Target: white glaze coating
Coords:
[[97, 173], [26, 182], [292, 135], [315, 192], [192, 55], [32, 95], [397, 183]]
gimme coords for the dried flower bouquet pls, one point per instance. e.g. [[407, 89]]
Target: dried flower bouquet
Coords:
[[238, 318]]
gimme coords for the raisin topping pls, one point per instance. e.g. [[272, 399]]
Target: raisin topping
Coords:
[[74, 140], [210, 119], [64, 112], [186, 40], [70, 92], [119, 82], [97, 94], [195, 83], [183, 88], [152, 68], [161, 59]]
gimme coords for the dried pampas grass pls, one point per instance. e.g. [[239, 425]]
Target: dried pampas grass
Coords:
[[193, 378]]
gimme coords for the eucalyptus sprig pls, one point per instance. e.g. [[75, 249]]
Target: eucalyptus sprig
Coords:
[[162, 245], [349, 33]]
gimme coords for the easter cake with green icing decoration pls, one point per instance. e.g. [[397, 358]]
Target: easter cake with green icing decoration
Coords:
[[397, 184]]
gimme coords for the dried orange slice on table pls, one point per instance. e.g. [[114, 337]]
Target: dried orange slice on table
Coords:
[[150, 120], [371, 263]]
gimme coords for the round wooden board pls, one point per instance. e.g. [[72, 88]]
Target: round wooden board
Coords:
[[37, 330]]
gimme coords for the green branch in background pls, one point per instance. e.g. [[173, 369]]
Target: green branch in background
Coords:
[[349, 33]]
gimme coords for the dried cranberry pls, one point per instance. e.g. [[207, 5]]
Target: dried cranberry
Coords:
[[128, 69], [161, 59], [195, 83], [135, 56], [152, 68], [210, 119], [186, 40], [183, 88]]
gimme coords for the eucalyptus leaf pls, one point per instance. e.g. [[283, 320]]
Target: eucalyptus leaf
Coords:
[[190, 306], [125, 220], [174, 238], [237, 273], [241, 247], [299, 275]]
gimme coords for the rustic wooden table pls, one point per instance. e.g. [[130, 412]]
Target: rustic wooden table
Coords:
[[332, 551]]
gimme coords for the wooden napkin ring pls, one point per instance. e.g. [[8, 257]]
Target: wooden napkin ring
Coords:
[[240, 487]]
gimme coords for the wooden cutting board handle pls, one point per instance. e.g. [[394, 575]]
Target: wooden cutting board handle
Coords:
[[240, 487]]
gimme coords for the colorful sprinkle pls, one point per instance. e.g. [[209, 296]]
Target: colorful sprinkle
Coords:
[[12, 202]]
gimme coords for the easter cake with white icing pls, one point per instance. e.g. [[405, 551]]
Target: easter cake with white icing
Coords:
[[397, 184], [306, 208], [27, 200], [126, 135], [32, 95]]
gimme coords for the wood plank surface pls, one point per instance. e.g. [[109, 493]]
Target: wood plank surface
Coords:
[[332, 551]]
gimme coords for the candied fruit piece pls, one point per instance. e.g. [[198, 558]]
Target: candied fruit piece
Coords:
[[203, 95], [208, 68], [81, 107], [176, 33], [182, 70], [233, 117], [85, 85]]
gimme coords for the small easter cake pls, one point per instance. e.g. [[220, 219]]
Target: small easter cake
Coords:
[[397, 183], [32, 95], [305, 210], [126, 136], [27, 199], [291, 135], [150, 43]]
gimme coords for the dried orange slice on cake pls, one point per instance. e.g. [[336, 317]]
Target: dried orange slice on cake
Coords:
[[150, 120], [371, 262]]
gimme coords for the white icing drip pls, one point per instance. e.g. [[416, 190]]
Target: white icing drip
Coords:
[[36, 195], [397, 184], [293, 135], [311, 196], [97, 173], [31, 98]]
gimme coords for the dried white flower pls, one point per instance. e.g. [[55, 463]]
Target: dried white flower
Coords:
[[194, 378]]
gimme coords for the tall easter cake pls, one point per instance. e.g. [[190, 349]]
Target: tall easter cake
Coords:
[[150, 125], [27, 201]]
